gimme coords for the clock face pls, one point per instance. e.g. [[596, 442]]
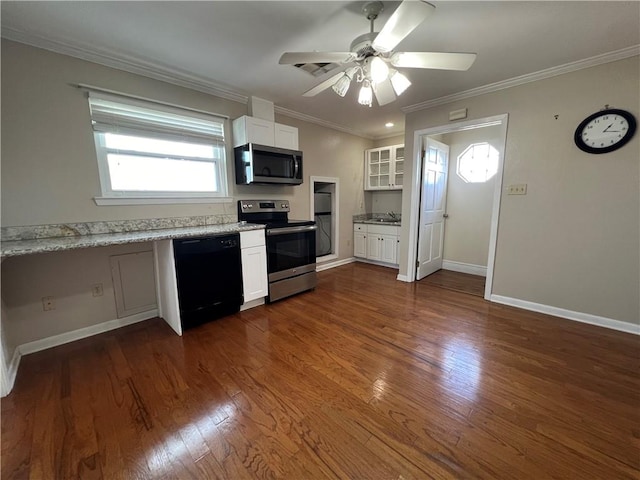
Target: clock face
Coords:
[[605, 131]]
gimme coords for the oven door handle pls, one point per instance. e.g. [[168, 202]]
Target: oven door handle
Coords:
[[283, 231]]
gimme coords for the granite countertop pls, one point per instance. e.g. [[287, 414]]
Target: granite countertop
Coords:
[[376, 219], [28, 246]]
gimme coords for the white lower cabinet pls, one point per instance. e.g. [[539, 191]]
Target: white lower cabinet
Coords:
[[254, 265], [359, 240], [376, 242]]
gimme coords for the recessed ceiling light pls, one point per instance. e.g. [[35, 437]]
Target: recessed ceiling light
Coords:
[[388, 124]]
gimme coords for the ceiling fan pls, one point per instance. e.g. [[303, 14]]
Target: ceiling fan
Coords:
[[371, 59]]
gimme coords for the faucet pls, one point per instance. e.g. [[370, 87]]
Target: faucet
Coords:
[[394, 216]]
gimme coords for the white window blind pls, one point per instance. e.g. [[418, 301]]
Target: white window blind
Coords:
[[148, 150]]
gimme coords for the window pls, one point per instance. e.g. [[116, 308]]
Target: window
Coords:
[[152, 153], [478, 163]]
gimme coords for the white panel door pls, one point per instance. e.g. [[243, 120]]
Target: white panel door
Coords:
[[432, 207]]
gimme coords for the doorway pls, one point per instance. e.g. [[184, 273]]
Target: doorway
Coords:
[[324, 209], [427, 245]]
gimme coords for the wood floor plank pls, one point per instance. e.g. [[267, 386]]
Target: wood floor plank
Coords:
[[365, 377]]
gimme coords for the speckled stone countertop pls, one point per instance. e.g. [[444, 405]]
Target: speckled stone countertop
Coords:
[[28, 240], [377, 219]]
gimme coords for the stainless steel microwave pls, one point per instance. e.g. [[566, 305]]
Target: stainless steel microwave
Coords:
[[260, 164]]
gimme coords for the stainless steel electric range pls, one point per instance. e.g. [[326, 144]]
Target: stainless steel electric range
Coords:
[[291, 246]]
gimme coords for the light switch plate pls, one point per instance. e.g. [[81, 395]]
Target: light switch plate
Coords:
[[517, 189]]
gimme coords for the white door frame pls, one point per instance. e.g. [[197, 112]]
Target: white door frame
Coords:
[[501, 120], [335, 208]]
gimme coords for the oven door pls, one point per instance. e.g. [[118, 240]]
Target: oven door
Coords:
[[291, 251]]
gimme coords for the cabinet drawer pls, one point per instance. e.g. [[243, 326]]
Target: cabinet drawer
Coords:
[[384, 229], [359, 227], [252, 238]]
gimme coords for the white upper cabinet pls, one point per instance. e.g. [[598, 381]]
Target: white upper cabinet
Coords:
[[384, 168], [248, 129], [286, 136], [253, 130]]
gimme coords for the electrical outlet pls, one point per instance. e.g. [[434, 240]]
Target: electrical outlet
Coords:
[[97, 290], [48, 303], [518, 189]]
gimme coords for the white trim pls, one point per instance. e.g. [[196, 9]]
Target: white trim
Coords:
[[335, 208], [464, 268], [12, 371], [528, 78], [326, 258], [158, 200], [568, 314], [403, 278], [376, 262], [415, 191], [252, 303], [337, 263], [156, 71], [127, 63], [324, 123], [61, 339]]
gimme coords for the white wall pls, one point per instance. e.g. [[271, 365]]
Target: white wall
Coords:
[[469, 205], [573, 242], [50, 175]]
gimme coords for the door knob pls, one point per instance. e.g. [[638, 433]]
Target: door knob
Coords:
[[445, 215]]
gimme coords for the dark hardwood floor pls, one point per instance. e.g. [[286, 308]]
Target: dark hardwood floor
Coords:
[[364, 378], [460, 282]]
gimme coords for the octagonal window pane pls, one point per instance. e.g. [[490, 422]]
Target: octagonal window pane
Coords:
[[478, 163]]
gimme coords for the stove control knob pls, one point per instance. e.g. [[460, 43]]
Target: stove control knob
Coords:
[[250, 205], [284, 205]]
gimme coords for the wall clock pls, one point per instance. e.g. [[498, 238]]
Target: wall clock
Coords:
[[605, 131]]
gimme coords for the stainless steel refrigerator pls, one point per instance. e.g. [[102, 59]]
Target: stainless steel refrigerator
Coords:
[[323, 218]]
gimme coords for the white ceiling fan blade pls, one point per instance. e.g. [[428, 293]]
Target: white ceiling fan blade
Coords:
[[323, 86], [435, 60], [404, 20], [384, 92], [294, 58]]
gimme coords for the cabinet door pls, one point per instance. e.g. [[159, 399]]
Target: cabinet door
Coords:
[[254, 273], [374, 247], [253, 130], [388, 248], [286, 136], [378, 168], [398, 167], [360, 244]]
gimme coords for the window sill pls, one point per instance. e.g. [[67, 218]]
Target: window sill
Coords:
[[158, 200]]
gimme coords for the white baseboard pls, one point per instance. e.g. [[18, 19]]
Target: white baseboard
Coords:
[[252, 303], [402, 278], [12, 371], [85, 332], [464, 268], [380, 264], [337, 263], [569, 314]]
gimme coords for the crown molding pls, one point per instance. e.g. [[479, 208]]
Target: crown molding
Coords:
[[319, 121], [157, 71], [127, 63], [528, 78]]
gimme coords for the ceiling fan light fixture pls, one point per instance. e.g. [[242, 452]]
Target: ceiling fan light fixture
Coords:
[[342, 85], [366, 94], [400, 82], [379, 70]]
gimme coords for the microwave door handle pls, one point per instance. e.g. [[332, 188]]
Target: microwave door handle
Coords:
[[295, 166]]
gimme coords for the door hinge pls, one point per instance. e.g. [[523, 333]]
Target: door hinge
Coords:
[[417, 263]]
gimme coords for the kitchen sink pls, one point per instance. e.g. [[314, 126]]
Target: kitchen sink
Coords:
[[382, 220]]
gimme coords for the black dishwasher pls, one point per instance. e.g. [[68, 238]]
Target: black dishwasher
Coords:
[[209, 274]]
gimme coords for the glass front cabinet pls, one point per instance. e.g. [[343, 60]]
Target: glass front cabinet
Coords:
[[384, 168]]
